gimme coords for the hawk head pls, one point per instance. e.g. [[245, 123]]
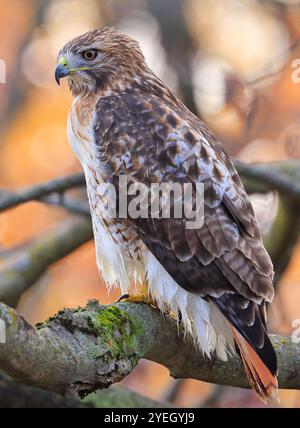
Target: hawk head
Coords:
[[100, 59]]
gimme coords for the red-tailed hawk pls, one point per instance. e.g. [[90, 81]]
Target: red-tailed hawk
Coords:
[[124, 121]]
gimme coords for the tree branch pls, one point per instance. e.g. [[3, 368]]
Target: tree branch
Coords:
[[80, 351], [73, 205], [14, 394], [121, 397], [264, 177], [281, 176], [27, 264], [283, 236], [33, 193]]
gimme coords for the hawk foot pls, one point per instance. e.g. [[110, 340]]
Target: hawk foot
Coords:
[[137, 298]]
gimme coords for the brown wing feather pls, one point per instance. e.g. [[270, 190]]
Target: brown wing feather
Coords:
[[159, 141]]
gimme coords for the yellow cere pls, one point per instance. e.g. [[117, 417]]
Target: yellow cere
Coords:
[[63, 61]]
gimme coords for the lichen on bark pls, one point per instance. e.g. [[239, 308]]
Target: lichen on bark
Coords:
[[81, 350]]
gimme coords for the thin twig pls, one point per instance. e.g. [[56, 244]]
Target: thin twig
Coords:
[[58, 185], [267, 76], [73, 205]]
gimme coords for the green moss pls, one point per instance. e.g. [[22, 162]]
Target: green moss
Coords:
[[118, 331], [13, 317], [281, 341]]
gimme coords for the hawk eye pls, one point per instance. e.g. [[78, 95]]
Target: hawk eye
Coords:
[[90, 54]]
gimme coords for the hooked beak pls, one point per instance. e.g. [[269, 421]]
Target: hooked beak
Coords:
[[61, 71]]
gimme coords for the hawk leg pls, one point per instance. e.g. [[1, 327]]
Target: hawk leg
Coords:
[[141, 295]]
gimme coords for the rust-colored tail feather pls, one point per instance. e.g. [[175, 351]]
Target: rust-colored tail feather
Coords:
[[261, 379]]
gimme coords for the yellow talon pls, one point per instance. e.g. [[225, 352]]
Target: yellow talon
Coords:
[[137, 298], [139, 294]]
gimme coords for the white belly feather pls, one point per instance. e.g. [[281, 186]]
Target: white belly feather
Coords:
[[206, 324]]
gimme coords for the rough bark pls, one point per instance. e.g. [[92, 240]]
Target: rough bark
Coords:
[[82, 350]]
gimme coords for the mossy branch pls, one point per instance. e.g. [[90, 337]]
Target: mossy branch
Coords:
[[82, 350]]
